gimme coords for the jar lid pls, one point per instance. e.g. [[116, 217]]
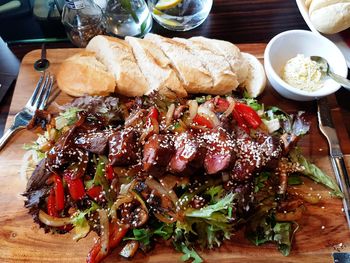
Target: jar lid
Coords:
[[75, 4]]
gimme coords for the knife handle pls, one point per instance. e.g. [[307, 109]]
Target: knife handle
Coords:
[[343, 181]]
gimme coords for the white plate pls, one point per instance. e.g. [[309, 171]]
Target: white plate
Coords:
[[336, 38]]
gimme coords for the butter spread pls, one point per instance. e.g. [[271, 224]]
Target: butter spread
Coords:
[[303, 73]]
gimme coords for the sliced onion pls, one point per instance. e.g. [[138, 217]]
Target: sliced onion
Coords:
[[193, 108], [26, 163], [132, 118], [230, 107], [165, 219], [155, 185], [53, 221], [210, 115], [104, 231], [121, 200], [170, 114]]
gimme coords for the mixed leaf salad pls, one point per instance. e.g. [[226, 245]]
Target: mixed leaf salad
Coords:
[[191, 171]]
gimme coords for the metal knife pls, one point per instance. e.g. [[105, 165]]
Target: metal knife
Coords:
[[325, 123]]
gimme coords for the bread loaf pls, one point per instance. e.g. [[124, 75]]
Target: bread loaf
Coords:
[[330, 16], [83, 74], [172, 67]]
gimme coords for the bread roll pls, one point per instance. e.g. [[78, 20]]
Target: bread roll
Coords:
[[156, 68], [330, 16], [118, 57], [224, 80], [195, 77], [229, 51], [83, 74]]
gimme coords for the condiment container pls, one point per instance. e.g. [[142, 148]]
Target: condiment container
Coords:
[[83, 20]]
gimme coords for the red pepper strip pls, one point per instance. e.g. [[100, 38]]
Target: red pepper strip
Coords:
[[250, 116], [240, 121], [51, 204], [75, 186], [221, 105], [153, 113], [116, 235], [95, 192], [152, 122], [59, 193], [110, 172], [202, 121]]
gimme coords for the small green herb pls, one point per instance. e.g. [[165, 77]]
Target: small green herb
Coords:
[[260, 180], [294, 180]]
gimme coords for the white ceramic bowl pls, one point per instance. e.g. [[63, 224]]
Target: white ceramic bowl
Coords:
[[287, 45]]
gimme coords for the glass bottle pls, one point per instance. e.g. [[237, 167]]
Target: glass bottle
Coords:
[[127, 18], [83, 20]]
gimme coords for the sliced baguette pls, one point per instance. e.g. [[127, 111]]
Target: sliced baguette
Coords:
[[256, 81], [118, 57], [195, 77], [156, 68], [83, 74], [229, 51], [224, 80]]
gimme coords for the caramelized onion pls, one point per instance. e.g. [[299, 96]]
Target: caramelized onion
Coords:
[[209, 114], [104, 231], [53, 221], [170, 114], [230, 107], [193, 108]]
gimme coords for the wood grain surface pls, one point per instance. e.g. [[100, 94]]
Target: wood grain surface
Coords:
[[323, 229]]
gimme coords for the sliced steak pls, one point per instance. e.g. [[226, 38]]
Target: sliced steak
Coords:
[[123, 147], [157, 153], [95, 142], [220, 153], [189, 155]]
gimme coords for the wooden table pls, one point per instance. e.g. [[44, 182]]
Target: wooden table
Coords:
[[238, 21]]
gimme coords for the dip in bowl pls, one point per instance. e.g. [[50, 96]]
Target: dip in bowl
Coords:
[[288, 45]]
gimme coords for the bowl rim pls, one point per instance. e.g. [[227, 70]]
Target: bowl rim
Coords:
[[271, 71]]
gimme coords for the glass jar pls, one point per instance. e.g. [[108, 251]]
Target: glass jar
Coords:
[[127, 18], [83, 20]]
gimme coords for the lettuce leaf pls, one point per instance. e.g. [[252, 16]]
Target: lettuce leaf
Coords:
[[81, 223], [67, 118], [315, 173]]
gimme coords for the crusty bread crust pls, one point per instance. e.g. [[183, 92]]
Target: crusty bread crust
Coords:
[[156, 68], [195, 78], [118, 57], [83, 74], [224, 80], [229, 51]]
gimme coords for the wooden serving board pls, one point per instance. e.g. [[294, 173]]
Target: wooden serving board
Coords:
[[323, 229]]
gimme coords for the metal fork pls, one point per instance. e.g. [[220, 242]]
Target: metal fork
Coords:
[[37, 101]]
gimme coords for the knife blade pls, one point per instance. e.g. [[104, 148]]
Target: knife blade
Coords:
[[326, 125]]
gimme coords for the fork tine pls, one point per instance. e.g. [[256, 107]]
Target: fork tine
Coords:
[[34, 95], [47, 94], [39, 98]]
